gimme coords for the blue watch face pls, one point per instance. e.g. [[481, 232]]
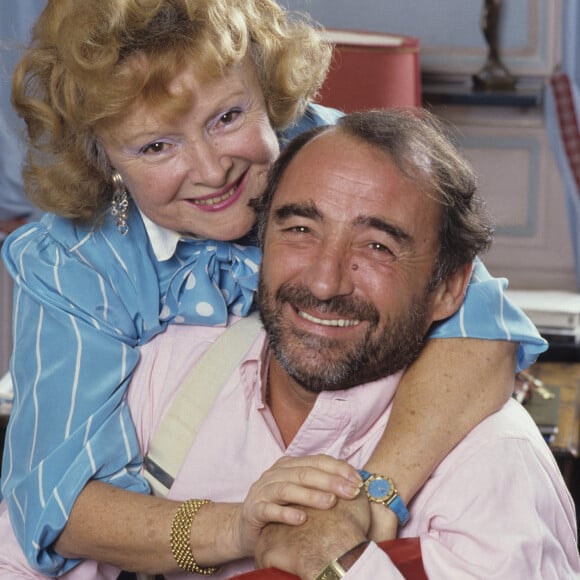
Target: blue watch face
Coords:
[[380, 489]]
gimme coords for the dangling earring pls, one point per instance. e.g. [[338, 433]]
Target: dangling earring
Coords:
[[120, 203]]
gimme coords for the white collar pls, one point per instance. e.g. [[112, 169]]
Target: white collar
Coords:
[[163, 240]]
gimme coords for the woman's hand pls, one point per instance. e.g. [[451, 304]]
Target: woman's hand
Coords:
[[314, 482]]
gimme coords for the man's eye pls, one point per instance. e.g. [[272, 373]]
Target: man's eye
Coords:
[[297, 230], [382, 250], [294, 232]]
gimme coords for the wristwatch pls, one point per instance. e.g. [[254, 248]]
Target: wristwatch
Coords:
[[382, 489], [339, 567]]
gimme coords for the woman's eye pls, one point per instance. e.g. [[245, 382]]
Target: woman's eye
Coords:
[[229, 117], [157, 147]]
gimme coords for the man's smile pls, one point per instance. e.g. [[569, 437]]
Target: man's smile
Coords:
[[342, 322]]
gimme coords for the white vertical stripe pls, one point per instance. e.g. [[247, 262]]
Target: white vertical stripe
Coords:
[[16, 313], [124, 404], [91, 458], [87, 444], [79, 350], [35, 387], [84, 260], [462, 321], [125, 438], [8, 437], [88, 429], [60, 504], [124, 362], [105, 298], [75, 384], [5, 318], [501, 305], [113, 249], [22, 269], [40, 488], [17, 504], [55, 272]]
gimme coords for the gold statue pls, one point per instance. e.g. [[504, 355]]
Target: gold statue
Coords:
[[494, 75]]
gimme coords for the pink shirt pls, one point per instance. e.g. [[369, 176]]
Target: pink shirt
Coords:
[[496, 507]]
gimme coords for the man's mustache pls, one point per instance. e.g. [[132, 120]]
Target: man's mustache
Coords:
[[344, 306]]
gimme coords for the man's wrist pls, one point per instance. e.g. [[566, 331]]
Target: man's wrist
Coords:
[[338, 567]]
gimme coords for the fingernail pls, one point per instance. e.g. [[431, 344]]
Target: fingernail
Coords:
[[351, 490], [329, 499]]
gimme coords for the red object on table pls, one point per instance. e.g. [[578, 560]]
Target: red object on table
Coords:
[[372, 71]]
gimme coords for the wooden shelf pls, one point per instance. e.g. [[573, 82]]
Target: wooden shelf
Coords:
[[525, 96]]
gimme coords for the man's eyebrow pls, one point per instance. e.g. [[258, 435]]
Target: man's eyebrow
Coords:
[[394, 231], [305, 209]]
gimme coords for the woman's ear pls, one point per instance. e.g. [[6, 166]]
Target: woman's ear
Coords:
[[449, 295]]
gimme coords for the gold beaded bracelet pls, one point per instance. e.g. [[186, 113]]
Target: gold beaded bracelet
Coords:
[[180, 538]]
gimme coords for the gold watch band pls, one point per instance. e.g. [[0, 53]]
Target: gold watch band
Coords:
[[333, 571], [338, 567]]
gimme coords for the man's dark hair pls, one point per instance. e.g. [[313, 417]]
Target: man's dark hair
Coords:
[[423, 152]]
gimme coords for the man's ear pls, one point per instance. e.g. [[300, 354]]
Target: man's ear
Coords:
[[449, 295]]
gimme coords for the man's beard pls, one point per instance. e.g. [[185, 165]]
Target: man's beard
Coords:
[[320, 364]]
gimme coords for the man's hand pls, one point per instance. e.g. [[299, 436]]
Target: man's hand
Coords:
[[306, 550], [289, 486]]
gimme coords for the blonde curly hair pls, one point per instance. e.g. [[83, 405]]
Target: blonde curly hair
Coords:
[[77, 77]]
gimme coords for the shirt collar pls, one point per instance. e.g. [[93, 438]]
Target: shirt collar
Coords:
[[163, 240], [354, 413]]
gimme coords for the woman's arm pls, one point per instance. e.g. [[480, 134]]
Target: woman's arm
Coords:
[[128, 530], [132, 531], [73, 355], [440, 398]]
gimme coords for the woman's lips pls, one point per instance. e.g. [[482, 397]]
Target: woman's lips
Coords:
[[223, 199]]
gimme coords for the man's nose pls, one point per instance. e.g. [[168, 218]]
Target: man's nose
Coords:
[[208, 164], [329, 273]]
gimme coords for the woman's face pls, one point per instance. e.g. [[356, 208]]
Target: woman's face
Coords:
[[196, 172]]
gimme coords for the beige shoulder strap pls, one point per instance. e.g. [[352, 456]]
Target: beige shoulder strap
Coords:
[[179, 426]]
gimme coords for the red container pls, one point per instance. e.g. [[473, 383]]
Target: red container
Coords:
[[372, 71]]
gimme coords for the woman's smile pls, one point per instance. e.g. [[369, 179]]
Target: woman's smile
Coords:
[[223, 199]]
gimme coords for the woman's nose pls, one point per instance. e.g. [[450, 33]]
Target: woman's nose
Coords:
[[208, 164]]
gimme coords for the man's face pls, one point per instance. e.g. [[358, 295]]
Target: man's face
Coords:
[[349, 249]]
